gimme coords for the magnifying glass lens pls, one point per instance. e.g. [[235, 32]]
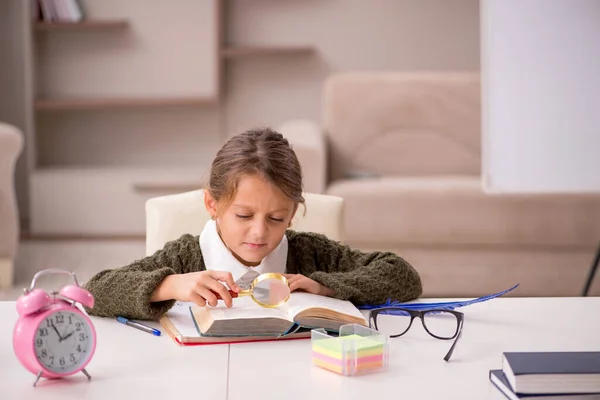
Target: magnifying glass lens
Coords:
[[271, 292], [267, 290]]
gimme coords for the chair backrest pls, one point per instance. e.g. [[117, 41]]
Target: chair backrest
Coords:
[[403, 123], [169, 217]]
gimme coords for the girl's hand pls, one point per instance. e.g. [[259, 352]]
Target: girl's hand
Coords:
[[197, 287], [302, 283]]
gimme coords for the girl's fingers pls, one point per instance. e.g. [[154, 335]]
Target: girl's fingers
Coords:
[[297, 284], [197, 299], [208, 296], [218, 287], [292, 277], [225, 277]]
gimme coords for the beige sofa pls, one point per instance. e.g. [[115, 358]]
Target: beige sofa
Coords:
[[11, 144], [404, 152]]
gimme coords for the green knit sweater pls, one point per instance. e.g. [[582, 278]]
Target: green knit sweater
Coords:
[[362, 278]]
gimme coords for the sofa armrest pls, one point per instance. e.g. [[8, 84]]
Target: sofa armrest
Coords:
[[308, 141], [11, 145]]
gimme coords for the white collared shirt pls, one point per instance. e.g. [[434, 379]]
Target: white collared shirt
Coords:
[[217, 257]]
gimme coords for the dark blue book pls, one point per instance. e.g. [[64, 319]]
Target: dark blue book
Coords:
[[499, 380], [552, 372]]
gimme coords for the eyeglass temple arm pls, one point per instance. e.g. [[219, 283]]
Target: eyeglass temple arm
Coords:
[[447, 357]]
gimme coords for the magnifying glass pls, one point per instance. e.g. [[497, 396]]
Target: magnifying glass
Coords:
[[268, 290]]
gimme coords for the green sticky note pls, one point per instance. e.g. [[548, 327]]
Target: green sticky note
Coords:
[[334, 347]]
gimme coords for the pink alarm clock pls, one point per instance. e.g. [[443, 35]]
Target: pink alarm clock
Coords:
[[53, 338]]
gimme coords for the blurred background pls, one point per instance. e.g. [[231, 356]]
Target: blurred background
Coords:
[[108, 103]]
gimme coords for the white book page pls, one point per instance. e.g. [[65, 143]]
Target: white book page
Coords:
[[245, 307], [181, 318], [300, 301]]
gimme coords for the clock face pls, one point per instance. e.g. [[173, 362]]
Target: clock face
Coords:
[[63, 342]]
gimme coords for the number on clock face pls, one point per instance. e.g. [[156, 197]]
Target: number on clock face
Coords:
[[63, 342]]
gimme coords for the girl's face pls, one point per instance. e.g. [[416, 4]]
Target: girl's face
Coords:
[[255, 221]]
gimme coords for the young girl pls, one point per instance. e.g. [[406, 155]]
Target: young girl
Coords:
[[254, 191]]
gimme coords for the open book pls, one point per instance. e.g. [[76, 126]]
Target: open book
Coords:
[[187, 323]]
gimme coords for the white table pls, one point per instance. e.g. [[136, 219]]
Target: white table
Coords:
[[417, 369], [155, 368], [127, 364]]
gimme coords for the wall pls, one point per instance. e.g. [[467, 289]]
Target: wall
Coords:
[[541, 80]]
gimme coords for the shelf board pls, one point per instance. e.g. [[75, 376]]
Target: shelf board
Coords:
[[82, 26], [59, 237], [167, 188], [252, 51], [143, 180], [107, 103]]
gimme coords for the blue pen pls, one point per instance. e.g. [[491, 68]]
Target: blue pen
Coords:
[[139, 326]]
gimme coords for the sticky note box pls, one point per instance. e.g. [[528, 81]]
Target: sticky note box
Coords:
[[356, 350]]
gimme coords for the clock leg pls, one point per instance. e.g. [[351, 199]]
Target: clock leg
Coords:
[[37, 378], [86, 374]]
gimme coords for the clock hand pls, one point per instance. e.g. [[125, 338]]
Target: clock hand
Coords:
[[60, 339], [68, 336]]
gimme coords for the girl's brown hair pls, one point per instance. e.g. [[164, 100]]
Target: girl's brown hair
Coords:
[[262, 152]]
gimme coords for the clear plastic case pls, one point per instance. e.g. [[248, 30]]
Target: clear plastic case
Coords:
[[356, 350]]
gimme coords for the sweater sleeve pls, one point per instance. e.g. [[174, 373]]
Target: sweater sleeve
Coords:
[[126, 291], [363, 278]]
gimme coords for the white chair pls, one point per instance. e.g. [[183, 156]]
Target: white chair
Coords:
[[169, 217]]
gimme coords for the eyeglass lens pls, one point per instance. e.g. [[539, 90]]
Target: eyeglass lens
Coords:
[[440, 324]]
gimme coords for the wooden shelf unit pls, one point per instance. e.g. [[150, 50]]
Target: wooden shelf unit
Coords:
[[166, 188], [156, 72], [64, 91], [108, 103], [230, 52], [82, 26]]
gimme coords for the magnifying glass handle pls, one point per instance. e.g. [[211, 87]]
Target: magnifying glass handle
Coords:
[[231, 292]]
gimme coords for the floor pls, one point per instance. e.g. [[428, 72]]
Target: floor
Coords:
[[83, 257]]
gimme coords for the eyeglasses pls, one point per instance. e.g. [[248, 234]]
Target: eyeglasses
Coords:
[[439, 323]]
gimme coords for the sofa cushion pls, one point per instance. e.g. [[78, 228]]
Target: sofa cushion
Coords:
[[455, 211], [403, 124]]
